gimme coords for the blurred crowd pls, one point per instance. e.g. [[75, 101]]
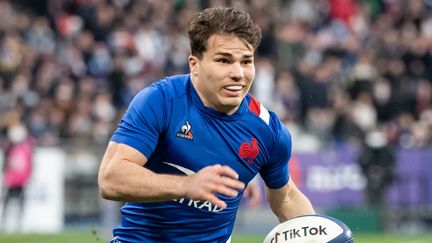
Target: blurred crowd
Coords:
[[334, 70]]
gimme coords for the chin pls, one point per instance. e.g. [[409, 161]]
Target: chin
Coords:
[[232, 102]]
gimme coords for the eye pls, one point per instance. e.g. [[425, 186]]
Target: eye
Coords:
[[223, 60], [248, 61]]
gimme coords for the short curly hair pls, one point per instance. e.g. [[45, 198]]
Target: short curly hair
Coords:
[[221, 20]]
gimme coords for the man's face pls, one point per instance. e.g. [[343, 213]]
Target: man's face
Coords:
[[224, 74]]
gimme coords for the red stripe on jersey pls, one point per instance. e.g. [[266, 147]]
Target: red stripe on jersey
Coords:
[[255, 106]]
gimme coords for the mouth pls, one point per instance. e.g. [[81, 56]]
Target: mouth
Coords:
[[233, 90]]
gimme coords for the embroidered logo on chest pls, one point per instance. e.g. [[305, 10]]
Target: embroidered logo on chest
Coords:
[[185, 131], [249, 151]]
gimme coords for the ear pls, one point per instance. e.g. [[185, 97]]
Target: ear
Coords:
[[193, 65]]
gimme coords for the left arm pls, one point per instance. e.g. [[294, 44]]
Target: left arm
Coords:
[[288, 202]]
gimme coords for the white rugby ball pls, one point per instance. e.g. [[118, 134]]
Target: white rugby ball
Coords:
[[310, 229]]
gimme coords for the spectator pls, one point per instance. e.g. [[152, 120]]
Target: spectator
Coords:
[[16, 173], [377, 161], [76, 48]]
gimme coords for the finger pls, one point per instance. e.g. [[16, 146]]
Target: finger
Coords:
[[228, 171], [232, 183], [215, 166], [226, 191], [216, 201]]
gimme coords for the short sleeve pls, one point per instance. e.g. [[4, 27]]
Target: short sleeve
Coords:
[[143, 121], [275, 173]]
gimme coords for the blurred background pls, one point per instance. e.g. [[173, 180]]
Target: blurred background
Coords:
[[351, 79]]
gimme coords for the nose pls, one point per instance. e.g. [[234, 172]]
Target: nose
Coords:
[[236, 73]]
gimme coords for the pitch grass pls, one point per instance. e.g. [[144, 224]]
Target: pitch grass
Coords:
[[92, 237]]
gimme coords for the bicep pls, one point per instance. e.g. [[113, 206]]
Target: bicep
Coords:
[[276, 171], [276, 196], [143, 122], [279, 199]]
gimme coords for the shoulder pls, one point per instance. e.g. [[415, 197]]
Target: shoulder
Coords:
[[258, 109], [163, 90], [172, 86], [268, 120], [267, 116]]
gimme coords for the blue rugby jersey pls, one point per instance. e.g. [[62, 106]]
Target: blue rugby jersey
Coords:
[[170, 125]]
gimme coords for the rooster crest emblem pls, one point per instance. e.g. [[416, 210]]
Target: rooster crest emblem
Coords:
[[249, 151]]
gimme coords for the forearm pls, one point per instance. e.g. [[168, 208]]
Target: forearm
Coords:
[[295, 205], [123, 177], [130, 182], [289, 202]]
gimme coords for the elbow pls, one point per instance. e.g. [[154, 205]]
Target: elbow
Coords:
[[106, 190]]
